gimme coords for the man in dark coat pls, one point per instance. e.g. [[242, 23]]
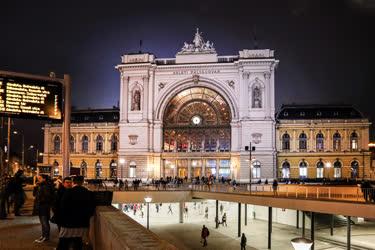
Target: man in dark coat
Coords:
[[67, 184], [204, 234], [44, 200], [76, 206], [243, 241]]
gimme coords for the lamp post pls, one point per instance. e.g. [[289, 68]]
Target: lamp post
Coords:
[[122, 162], [301, 243], [250, 149], [328, 166], [23, 146], [148, 201]]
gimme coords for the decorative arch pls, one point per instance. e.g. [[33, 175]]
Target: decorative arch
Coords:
[[175, 88]]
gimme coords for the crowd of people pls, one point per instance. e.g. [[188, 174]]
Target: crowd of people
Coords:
[[64, 202]]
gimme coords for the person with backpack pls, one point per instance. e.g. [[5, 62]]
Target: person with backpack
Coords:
[[44, 199], [204, 234]]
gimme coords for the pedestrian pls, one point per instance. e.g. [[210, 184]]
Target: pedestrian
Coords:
[[157, 208], [126, 185], [19, 193], [274, 187], [170, 209], [186, 211], [204, 234], [77, 206], [66, 184], [224, 220], [243, 241], [206, 213], [44, 199], [221, 208]]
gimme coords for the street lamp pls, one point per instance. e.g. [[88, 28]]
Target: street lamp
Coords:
[[122, 162], [148, 201], [23, 146], [250, 149], [301, 243], [328, 166]]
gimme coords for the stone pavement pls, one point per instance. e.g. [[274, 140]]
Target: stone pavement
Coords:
[[19, 232]]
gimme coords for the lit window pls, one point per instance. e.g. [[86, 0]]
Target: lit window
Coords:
[[303, 170], [354, 141], [285, 170], [319, 142], [256, 169], [337, 169], [320, 169], [336, 141]]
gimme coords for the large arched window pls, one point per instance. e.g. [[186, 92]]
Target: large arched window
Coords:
[[337, 169], [72, 144], [336, 141], [57, 144], [302, 142], [319, 142], [195, 120], [113, 143], [256, 169], [85, 144], [113, 169], [286, 141], [285, 170], [99, 144], [320, 169], [56, 168], [83, 168], [303, 169], [354, 141], [98, 169], [354, 169]]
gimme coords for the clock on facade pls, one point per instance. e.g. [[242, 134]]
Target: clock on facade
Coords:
[[196, 120]]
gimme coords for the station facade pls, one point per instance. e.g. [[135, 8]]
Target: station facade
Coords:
[[196, 115]]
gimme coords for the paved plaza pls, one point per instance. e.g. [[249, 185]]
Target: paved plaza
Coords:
[[187, 235]]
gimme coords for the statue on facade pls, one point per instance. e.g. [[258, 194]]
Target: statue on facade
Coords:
[[257, 97], [136, 101], [198, 45]]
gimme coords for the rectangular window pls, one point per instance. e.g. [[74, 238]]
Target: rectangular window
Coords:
[[132, 172], [303, 172], [337, 172]]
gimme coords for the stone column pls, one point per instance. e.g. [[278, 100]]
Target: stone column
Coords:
[[145, 98], [203, 167], [328, 140], [189, 169], [311, 144], [91, 143], [267, 94], [124, 99], [181, 212], [175, 168], [294, 141]]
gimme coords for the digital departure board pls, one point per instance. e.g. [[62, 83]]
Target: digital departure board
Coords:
[[30, 98]]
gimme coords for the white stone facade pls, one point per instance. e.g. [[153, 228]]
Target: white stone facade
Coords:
[[246, 82]]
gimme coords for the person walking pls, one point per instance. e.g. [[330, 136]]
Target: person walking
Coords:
[[204, 234], [224, 220], [44, 199], [76, 206], [274, 187], [170, 209], [221, 208], [206, 213], [19, 193], [243, 241]]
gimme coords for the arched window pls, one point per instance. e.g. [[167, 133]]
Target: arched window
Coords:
[[285, 170], [55, 168], [83, 168], [286, 142], [256, 169], [132, 169], [113, 143], [72, 144], [85, 144], [337, 169], [319, 142], [113, 169], [99, 144], [336, 141], [57, 144], [98, 169], [320, 169], [302, 142], [303, 169], [354, 167], [354, 141]]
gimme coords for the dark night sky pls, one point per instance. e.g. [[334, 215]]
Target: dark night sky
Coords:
[[326, 48]]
